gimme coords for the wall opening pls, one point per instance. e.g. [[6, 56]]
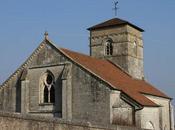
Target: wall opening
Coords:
[[47, 88], [46, 94], [108, 47], [52, 94]]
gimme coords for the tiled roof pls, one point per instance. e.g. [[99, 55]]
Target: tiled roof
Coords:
[[113, 22], [116, 78]]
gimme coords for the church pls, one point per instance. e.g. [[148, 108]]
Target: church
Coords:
[[104, 88]]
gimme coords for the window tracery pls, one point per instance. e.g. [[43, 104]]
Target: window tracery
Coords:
[[47, 92]]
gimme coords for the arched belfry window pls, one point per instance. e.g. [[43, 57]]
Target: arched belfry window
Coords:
[[108, 47], [47, 91]]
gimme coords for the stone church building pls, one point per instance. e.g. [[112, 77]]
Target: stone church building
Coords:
[[105, 88]]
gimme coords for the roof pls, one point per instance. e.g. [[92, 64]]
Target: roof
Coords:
[[106, 71], [116, 78], [114, 22]]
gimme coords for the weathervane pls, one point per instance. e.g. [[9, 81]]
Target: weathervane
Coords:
[[115, 7]]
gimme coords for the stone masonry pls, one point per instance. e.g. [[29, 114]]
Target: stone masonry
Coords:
[[9, 121], [127, 48]]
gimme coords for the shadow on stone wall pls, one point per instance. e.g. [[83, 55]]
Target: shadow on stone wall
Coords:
[[12, 121]]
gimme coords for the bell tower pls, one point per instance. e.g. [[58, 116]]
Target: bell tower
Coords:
[[120, 42]]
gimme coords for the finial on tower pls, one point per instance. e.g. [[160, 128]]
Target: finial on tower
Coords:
[[115, 7], [46, 35]]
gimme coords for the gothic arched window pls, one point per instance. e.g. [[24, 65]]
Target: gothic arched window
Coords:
[[108, 47], [47, 93]]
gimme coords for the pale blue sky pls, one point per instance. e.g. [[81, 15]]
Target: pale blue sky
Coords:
[[23, 22]]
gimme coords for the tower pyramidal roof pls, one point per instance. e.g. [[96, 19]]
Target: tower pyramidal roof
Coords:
[[114, 22]]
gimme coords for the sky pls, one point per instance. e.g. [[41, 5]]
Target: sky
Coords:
[[23, 23]]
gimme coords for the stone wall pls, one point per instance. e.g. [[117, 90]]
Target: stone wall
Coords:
[[121, 113], [148, 118], [36, 105], [8, 95], [90, 97], [11, 92], [9, 121], [164, 111]]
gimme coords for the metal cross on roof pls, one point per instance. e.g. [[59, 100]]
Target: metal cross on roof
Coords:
[[115, 7]]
